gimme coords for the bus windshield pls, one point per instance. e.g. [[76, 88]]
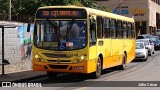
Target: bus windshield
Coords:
[[60, 34]]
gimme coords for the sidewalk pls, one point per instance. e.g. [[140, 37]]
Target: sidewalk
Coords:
[[21, 76]]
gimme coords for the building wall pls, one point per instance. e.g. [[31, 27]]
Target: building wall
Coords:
[[143, 11], [15, 49]]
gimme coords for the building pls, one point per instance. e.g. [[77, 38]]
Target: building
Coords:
[[145, 12]]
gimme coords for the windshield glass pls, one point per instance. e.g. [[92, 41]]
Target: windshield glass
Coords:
[[139, 46], [60, 34]]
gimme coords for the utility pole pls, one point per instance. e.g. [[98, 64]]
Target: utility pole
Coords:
[[9, 11]]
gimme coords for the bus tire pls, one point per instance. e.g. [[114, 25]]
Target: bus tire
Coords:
[[51, 75], [98, 71], [123, 66]]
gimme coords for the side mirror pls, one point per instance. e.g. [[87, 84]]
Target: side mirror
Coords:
[[28, 27]]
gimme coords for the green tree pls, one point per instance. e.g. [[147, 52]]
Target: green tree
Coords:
[[3, 9], [22, 9]]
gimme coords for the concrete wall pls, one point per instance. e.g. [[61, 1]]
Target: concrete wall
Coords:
[[14, 49]]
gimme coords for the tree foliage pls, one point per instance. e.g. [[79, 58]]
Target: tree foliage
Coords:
[[29, 7]]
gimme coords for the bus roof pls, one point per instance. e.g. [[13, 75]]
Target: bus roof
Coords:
[[95, 12]]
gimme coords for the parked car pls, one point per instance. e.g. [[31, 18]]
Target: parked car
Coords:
[[154, 38], [156, 44], [149, 45], [156, 41], [144, 36], [141, 51], [158, 32]]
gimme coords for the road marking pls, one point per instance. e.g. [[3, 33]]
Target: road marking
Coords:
[[81, 88]]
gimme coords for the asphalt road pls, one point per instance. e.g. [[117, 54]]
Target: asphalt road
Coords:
[[139, 75]]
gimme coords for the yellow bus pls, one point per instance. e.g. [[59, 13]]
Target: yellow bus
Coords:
[[72, 39]]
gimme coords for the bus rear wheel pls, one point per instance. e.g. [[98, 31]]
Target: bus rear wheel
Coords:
[[123, 66], [98, 71], [51, 75]]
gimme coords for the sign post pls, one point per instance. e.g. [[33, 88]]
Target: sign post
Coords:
[[2, 50]]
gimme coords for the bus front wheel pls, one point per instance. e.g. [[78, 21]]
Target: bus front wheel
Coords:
[[51, 75], [98, 71]]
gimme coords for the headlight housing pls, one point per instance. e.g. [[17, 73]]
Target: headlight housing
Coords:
[[79, 59], [38, 58]]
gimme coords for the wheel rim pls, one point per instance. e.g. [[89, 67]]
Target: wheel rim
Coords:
[[98, 72]]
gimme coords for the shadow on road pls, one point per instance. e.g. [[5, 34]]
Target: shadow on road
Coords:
[[65, 78], [138, 60]]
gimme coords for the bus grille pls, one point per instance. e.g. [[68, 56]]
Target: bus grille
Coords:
[[58, 66], [60, 61], [50, 55]]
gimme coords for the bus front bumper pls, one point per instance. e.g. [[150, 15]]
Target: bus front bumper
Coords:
[[83, 67]]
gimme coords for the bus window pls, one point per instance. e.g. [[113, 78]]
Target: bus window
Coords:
[[69, 35], [99, 27], [106, 28], [113, 28], [119, 29], [133, 32], [92, 31], [49, 33], [124, 28], [129, 29]]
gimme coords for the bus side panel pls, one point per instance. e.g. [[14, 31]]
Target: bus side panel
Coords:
[[102, 48], [107, 55], [129, 47], [117, 53], [92, 59], [120, 44], [131, 51]]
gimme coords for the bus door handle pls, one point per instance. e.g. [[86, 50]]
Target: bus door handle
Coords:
[[100, 43]]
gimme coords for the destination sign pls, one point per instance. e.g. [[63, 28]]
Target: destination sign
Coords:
[[61, 13]]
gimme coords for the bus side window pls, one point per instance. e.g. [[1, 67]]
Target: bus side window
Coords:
[[133, 30], [92, 31], [106, 27], [119, 27], [124, 28], [129, 29], [113, 28], [99, 27]]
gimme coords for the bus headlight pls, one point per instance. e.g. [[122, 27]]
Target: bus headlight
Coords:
[[38, 58], [80, 59]]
